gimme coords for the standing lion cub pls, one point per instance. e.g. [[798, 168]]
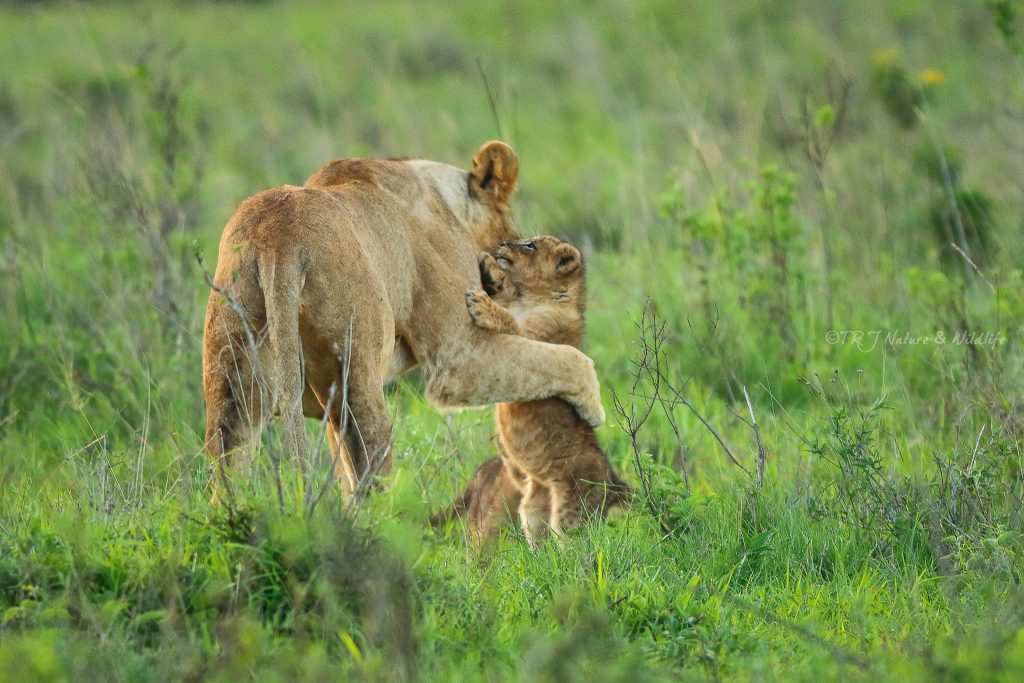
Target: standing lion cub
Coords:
[[552, 469]]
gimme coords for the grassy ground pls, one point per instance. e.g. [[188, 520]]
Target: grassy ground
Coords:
[[767, 194]]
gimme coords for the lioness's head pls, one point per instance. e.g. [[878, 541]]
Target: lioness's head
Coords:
[[478, 199], [540, 268]]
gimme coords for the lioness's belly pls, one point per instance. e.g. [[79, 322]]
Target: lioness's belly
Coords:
[[401, 360]]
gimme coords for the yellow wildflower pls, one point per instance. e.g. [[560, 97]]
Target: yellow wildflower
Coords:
[[932, 77]]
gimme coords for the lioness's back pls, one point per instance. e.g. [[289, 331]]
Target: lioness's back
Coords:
[[391, 175]]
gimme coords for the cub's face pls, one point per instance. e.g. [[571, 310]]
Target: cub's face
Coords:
[[538, 267]]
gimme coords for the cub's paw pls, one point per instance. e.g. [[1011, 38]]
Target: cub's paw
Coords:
[[481, 309], [492, 276]]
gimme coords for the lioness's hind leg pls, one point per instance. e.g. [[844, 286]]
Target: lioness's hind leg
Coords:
[[364, 450], [370, 436]]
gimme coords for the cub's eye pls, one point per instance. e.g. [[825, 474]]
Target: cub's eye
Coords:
[[529, 246]]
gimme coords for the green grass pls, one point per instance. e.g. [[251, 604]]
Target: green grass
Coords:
[[670, 143]]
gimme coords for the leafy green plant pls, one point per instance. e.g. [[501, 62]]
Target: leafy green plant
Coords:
[[896, 89], [1005, 13], [858, 488], [754, 269]]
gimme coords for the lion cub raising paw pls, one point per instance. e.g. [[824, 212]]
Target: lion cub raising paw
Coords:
[[537, 290]]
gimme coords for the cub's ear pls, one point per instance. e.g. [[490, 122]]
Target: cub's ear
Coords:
[[494, 173], [567, 259]]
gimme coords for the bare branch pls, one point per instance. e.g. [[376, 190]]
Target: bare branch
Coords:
[[761, 455], [490, 99], [972, 264], [678, 396]]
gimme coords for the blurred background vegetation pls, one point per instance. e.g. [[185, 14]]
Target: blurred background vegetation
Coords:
[[753, 183]]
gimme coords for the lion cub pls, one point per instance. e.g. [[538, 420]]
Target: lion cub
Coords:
[[550, 457], [490, 499]]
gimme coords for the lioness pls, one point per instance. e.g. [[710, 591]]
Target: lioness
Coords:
[[322, 293], [551, 460]]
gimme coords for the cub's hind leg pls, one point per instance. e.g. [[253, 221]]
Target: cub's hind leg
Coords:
[[566, 508], [497, 504], [534, 511]]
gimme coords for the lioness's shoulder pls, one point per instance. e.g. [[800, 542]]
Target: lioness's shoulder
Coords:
[[343, 171], [379, 172]]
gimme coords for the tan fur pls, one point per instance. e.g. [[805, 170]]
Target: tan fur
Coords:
[[565, 475], [345, 282], [490, 500]]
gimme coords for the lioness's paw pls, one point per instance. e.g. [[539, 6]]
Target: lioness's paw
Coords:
[[591, 411], [588, 402]]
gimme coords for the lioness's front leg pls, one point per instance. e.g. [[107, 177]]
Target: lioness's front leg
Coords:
[[489, 315], [484, 367]]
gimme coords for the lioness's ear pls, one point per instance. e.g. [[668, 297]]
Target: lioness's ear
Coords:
[[494, 174], [568, 259]]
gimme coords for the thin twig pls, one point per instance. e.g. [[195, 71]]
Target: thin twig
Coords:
[[972, 264], [632, 420], [674, 424], [760, 444], [629, 424], [490, 99], [718, 437], [974, 453]]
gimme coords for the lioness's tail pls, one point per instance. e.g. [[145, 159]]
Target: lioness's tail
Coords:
[[232, 385], [282, 288]]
